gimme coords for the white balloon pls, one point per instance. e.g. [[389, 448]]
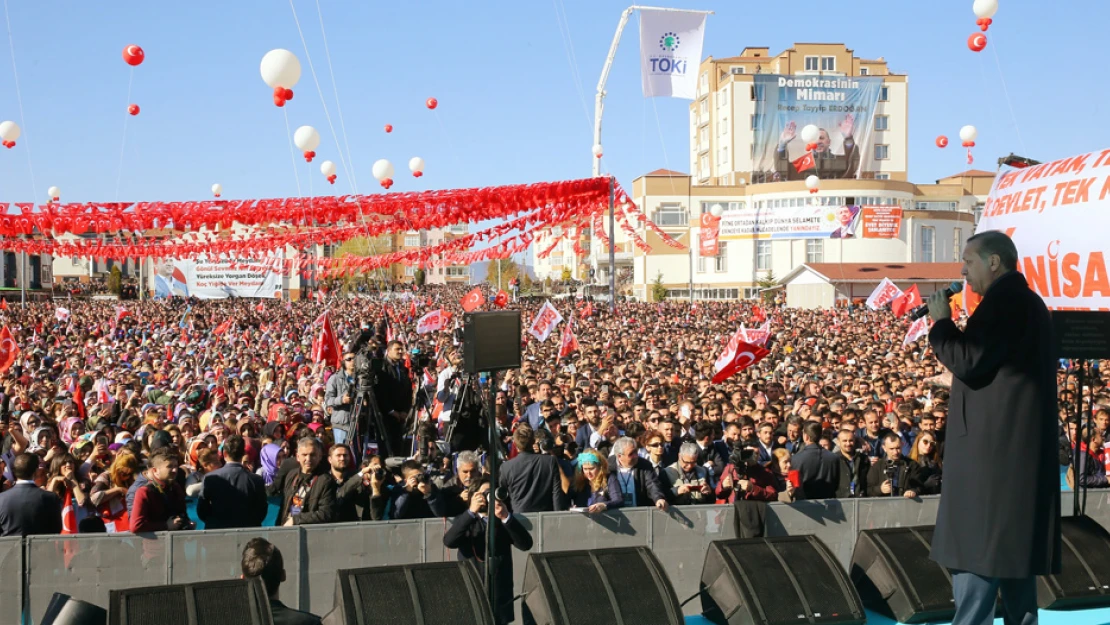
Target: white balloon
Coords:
[[54, 192], [810, 133], [327, 168], [716, 210], [383, 169], [306, 138], [416, 164], [217, 189], [968, 133], [985, 8], [812, 182], [280, 68], [9, 131], [597, 149]]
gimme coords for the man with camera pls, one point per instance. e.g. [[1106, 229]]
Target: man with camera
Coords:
[[339, 399], [745, 478], [893, 475], [417, 498], [455, 490]]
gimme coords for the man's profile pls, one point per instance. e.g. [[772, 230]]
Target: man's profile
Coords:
[[262, 559]]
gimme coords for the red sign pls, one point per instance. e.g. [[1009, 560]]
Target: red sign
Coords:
[[882, 222], [710, 233]]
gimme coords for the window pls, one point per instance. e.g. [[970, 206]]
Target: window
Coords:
[[751, 292], [412, 240], [738, 70], [863, 71], [555, 259], [722, 156], [828, 63], [703, 81], [757, 121], [722, 256], [457, 229], [410, 270], [936, 206], [703, 107], [928, 244], [882, 122], [759, 94], [458, 272], [957, 244], [882, 176], [670, 215], [723, 126], [884, 94], [811, 63], [704, 137], [763, 255], [701, 261], [882, 152], [722, 98], [815, 251], [703, 165]]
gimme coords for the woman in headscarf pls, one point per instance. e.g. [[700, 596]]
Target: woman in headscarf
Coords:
[[71, 429], [271, 457]]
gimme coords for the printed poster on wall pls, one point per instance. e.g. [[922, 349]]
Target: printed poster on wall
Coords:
[[218, 279], [794, 222], [881, 222]]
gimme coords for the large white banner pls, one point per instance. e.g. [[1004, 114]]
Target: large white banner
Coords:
[[793, 222], [1058, 215], [218, 279], [670, 52]]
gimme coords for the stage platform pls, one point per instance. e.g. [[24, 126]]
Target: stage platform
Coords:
[[1100, 616]]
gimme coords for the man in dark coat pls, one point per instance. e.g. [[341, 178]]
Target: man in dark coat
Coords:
[[468, 534], [818, 468], [999, 520], [393, 392], [262, 559], [639, 481], [534, 481], [233, 496], [308, 494], [26, 509]]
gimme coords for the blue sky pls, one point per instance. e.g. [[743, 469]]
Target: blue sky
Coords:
[[510, 106]]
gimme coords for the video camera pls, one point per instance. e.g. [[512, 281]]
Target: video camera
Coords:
[[743, 457]]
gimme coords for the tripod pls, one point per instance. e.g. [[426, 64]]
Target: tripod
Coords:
[[365, 399]]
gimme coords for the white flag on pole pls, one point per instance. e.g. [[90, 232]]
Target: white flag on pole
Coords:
[[670, 52], [883, 294]]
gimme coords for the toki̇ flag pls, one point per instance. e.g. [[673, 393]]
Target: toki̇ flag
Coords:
[[883, 294], [569, 344], [737, 356], [431, 322], [917, 330], [907, 301], [473, 300], [805, 163], [546, 320], [502, 299], [670, 52], [326, 346]]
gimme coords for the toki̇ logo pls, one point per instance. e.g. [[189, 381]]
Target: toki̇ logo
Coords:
[[667, 63], [669, 42]]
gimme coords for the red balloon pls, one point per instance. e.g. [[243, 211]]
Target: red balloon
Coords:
[[288, 94], [976, 42], [942, 141], [432, 103], [279, 101], [389, 127], [133, 109], [133, 55]]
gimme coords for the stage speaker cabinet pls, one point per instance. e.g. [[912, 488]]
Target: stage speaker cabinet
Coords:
[[599, 587], [776, 581], [1084, 578], [892, 571], [225, 602], [491, 341], [436, 593], [65, 610]]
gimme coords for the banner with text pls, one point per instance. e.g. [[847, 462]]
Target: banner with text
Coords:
[[794, 222], [218, 279], [670, 52], [841, 107], [1058, 214], [881, 222]]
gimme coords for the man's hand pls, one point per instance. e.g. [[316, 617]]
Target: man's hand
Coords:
[[500, 510], [683, 489], [661, 504], [476, 504], [744, 485], [939, 308], [424, 487], [726, 482], [597, 508], [288, 522], [346, 399], [788, 133], [847, 126], [885, 488], [705, 489], [910, 494]]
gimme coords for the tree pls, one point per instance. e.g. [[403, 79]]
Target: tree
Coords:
[[526, 283], [658, 290], [566, 274], [509, 270], [768, 281], [362, 247], [115, 280]]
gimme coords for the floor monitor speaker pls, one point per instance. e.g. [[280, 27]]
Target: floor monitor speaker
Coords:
[[65, 610], [226, 602], [1084, 579], [892, 571], [435, 593]]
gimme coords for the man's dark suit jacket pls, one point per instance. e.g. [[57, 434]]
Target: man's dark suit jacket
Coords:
[[651, 486], [818, 470], [319, 505], [284, 615], [26, 510], [534, 483], [467, 534], [232, 497]]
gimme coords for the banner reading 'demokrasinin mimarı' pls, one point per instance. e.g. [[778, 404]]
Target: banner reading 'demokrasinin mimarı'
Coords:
[[670, 52], [841, 107], [218, 279]]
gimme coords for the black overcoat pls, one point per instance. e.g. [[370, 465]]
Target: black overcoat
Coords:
[[1000, 506]]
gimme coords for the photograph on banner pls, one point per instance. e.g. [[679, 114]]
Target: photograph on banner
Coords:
[[881, 222], [218, 279], [794, 222], [1058, 214], [842, 109]]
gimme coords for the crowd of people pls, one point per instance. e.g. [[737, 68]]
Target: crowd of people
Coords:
[[115, 414]]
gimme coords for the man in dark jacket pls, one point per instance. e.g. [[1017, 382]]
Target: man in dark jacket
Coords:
[[534, 481], [394, 394], [818, 468], [233, 496], [26, 509], [893, 475], [416, 497], [467, 534], [263, 559], [853, 467], [639, 483], [998, 525], [309, 492]]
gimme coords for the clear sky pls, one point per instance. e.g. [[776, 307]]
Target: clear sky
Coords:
[[515, 82]]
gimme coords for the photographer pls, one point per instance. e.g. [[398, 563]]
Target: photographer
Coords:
[[417, 497], [393, 390], [366, 492], [745, 478], [455, 490], [893, 475], [690, 483], [339, 399]]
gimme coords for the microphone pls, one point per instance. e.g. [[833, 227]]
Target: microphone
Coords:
[[923, 309]]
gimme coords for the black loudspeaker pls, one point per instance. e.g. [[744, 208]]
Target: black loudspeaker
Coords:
[[226, 602], [892, 571], [491, 341], [436, 593], [772, 581], [599, 587], [1084, 579], [65, 610]]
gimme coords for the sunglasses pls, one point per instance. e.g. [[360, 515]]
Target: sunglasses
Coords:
[[655, 445]]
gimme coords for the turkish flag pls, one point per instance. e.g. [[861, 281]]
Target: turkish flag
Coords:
[[907, 301], [738, 355], [569, 344], [223, 327], [501, 300], [473, 300], [588, 311], [261, 307], [805, 163], [412, 310], [9, 351], [326, 346], [3, 304]]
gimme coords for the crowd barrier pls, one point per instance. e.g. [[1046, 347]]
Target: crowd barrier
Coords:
[[88, 566]]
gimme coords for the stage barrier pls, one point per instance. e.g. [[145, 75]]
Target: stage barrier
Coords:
[[88, 566]]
